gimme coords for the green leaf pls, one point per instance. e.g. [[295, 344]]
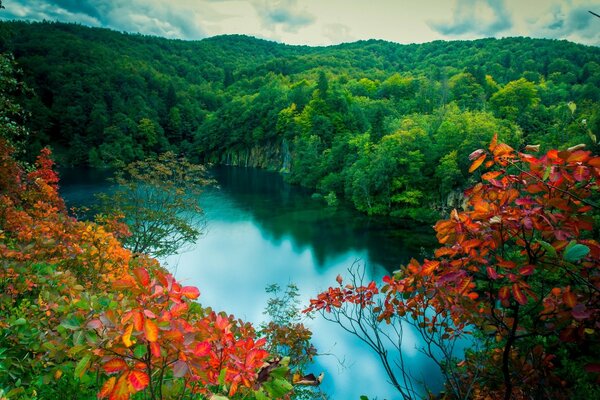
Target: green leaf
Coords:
[[20, 321], [546, 174], [575, 251], [280, 372], [82, 366], [260, 395], [71, 323], [548, 247], [278, 387], [78, 338], [218, 397], [222, 375], [363, 397], [140, 351]]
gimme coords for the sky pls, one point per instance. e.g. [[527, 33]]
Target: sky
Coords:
[[326, 22]]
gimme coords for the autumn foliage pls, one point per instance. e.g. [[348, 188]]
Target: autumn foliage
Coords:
[[80, 312], [518, 271]]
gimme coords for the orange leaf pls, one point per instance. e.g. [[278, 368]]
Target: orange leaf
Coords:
[[518, 294], [477, 163], [142, 276], [494, 142], [107, 387], [127, 336], [190, 292], [578, 156], [504, 292], [121, 390], [126, 283], [155, 349], [138, 380], [491, 175], [138, 320], [115, 365], [502, 149], [570, 299], [150, 330], [595, 162]]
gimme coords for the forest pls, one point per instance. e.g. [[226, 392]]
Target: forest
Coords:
[[376, 123], [495, 139]]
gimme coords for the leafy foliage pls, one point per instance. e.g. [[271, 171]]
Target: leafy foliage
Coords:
[[81, 315], [518, 270]]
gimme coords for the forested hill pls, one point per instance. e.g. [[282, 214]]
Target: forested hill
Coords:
[[388, 126]]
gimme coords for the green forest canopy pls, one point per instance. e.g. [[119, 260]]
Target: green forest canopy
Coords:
[[387, 126]]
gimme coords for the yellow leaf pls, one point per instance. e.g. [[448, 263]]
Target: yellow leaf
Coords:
[[127, 336]]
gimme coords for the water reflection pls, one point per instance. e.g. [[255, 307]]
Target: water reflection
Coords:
[[262, 231], [283, 210]]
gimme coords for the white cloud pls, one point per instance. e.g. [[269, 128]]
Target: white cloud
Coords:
[[318, 22]]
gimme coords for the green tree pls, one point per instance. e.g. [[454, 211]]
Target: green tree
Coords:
[[158, 197]]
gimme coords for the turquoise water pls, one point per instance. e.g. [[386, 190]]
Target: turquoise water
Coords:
[[260, 231]]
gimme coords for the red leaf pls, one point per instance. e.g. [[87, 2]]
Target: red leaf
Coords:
[[477, 163], [492, 273], [190, 292], [202, 349], [142, 276], [527, 270], [581, 173], [592, 367], [94, 324], [138, 380], [107, 387], [150, 330], [115, 365], [339, 279], [518, 294]]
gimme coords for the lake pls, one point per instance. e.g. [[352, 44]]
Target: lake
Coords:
[[261, 230]]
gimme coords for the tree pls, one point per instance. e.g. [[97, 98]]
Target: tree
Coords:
[[517, 271], [158, 198]]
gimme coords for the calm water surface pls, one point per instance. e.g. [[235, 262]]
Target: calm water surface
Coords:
[[261, 231]]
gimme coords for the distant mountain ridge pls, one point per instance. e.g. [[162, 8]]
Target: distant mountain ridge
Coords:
[[324, 115]]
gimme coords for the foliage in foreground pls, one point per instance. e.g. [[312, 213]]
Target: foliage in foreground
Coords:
[[517, 276], [81, 316]]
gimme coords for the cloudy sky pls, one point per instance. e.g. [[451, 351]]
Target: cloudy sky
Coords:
[[325, 22]]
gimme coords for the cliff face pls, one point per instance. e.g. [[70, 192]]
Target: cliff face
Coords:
[[269, 156]]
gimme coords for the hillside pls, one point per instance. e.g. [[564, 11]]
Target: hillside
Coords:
[[376, 122]]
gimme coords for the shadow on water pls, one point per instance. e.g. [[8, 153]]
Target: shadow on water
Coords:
[[286, 211]]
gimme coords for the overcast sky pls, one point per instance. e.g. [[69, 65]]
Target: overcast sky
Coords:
[[325, 22]]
